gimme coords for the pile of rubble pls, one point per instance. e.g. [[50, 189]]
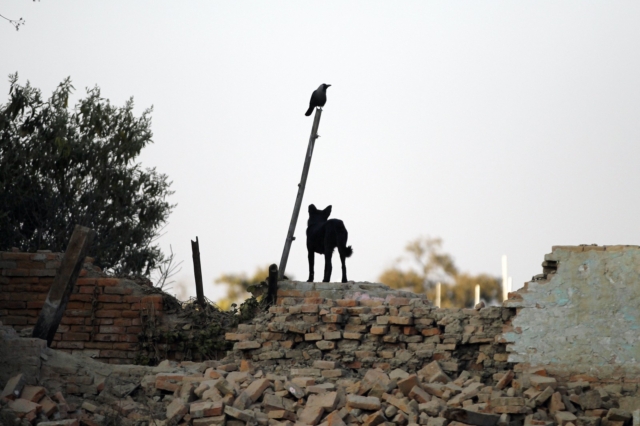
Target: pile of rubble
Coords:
[[396, 332], [235, 394]]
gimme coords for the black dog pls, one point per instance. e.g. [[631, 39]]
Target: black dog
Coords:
[[323, 236]]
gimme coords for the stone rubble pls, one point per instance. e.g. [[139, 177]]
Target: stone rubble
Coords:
[[235, 394], [313, 360]]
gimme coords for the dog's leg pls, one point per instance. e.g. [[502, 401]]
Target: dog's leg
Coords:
[[327, 264], [311, 260], [344, 265]]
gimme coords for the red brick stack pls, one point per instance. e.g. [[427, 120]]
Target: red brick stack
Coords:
[[102, 319]]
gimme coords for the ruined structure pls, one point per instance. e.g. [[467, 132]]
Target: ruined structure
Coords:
[[562, 350]]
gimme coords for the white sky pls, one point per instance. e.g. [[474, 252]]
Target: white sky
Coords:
[[502, 127]]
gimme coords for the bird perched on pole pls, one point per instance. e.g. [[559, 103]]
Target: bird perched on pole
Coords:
[[318, 98]]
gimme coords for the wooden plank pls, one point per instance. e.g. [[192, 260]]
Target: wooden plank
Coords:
[[63, 283], [197, 271], [298, 203]]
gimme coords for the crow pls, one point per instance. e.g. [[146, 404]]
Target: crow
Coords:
[[318, 98]]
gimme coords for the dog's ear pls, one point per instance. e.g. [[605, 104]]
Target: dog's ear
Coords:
[[312, 209], [327, 211]]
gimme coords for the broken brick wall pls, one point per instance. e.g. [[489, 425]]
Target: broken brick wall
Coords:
[[358, 328], [104, 314], [582, 315]]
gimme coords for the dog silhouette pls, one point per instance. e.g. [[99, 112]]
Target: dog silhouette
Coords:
[[323, 236]]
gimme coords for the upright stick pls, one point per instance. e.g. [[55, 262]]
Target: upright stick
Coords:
[[505, 279], [272, 293], [301, 185], [197, 271]]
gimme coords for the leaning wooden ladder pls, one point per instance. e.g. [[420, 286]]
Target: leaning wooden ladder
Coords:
[[301, 185]]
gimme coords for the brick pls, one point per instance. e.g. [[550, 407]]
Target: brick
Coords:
[[346, 302], [289, 293], [154, 298], [419, 394], [206, 409], [176, 411], [72, 321], [110, 353], [24, 407], [400, 320], [69, 345], [15, 304], [328, 400], [118, 290], [114, 306], [77, 298], [310, 337], [325, 345], [251, 344], [309, 309], [324, 365], [169, 382], [330, 374], [100, 337], [237, 336], [75, 336], [332, 335], [12, 320], [256, 388], [110, 298], [351, 336], [48, 406], [42, 272], [125, 346], [78, 313], [112, 329], [564, 417], [107, 282], [505, 380], [399, 301], [405, 385], [242, 415], [98, 345], [371, 403], [15, 272], [541, 382], [311, 415], [123, 322], [332, 318], [209, 421], [379, 329]]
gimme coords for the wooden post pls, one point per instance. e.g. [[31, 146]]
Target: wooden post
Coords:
[[272, 293], [197, 271], [301, 185], [58, 297]]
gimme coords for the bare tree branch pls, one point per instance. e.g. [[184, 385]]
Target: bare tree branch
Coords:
[[13, 22]]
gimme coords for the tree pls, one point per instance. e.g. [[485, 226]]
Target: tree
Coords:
[[61, 167], [425, 264], [238, 285], [461, 293]]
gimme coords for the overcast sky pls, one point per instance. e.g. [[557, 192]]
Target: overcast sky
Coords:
[[501, 127]]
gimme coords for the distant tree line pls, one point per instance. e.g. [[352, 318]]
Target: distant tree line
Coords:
[[425, 264]]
